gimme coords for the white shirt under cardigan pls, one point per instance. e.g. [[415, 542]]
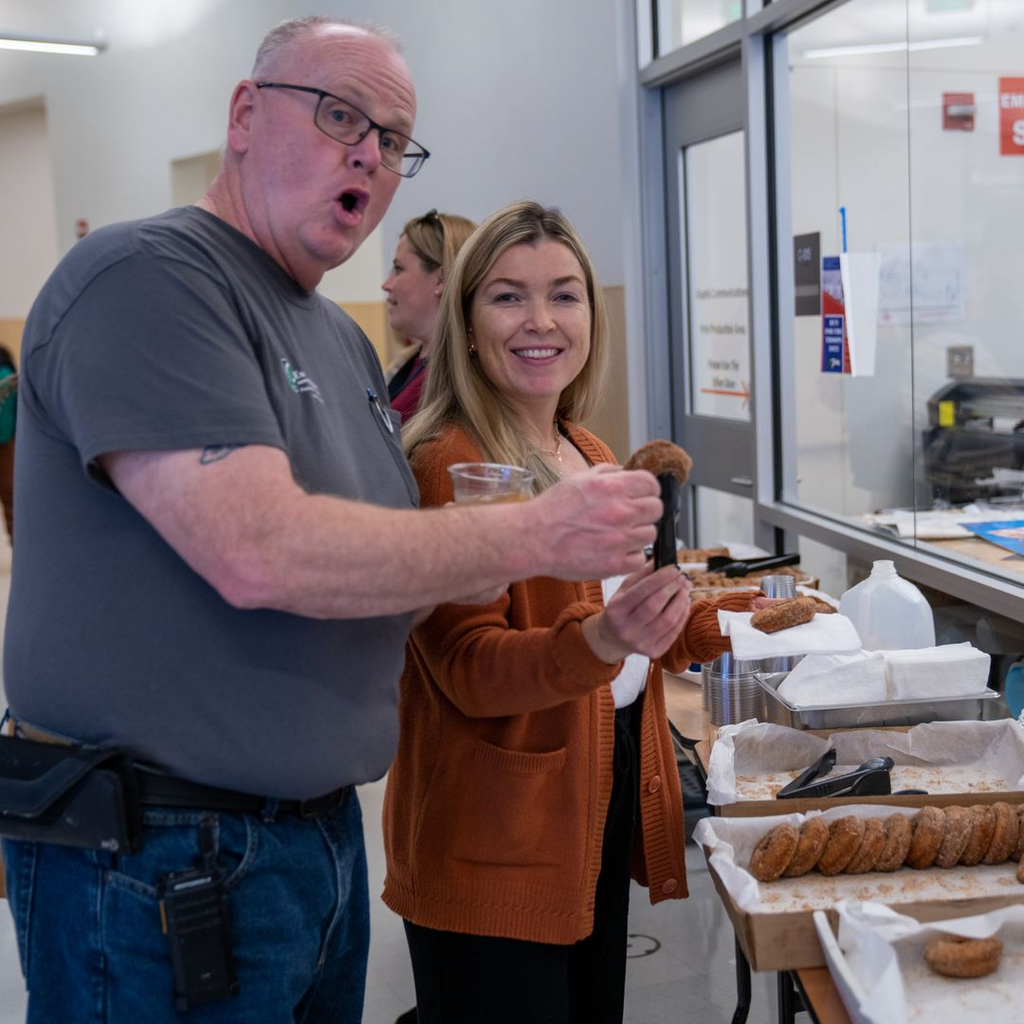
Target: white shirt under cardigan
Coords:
[[632, 680]]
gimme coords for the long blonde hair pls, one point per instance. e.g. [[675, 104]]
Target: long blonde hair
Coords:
[[457, 391]]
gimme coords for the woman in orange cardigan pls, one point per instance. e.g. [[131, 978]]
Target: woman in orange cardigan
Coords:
[[535, 771]]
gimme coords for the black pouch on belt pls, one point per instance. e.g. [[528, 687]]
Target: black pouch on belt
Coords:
[[75, 796]]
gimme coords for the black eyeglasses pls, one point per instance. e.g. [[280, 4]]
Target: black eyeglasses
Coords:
[[344, 123]]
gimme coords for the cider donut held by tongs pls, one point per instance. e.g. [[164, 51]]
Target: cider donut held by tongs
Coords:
[[671, 465]]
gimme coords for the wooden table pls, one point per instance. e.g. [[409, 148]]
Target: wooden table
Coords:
[[814, 987], [820, 996]]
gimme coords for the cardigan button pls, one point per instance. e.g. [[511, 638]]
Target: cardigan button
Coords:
[[669, 886], [654, 785]]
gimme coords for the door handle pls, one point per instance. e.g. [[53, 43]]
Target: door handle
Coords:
[[742, 481]]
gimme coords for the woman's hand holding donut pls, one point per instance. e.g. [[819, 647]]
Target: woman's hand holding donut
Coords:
[[644, 616]]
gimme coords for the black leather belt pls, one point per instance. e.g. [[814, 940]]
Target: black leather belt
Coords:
[[156, 790]]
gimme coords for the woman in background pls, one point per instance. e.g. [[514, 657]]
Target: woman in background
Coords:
[[424, 252], [535, 771]]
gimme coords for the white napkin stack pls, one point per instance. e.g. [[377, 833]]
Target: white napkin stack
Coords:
[[868, 677], [952, 670], [823, 679]]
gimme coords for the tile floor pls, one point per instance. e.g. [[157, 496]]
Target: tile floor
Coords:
[[682, 970]]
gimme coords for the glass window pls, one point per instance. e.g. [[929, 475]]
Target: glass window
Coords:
[[716, 257], [901, 181], [682, 21], [722, 518]]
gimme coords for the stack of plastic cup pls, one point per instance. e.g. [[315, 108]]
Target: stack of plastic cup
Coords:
[[780, 585], [729, 691]]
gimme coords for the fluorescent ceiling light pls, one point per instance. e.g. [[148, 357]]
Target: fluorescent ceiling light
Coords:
[[41, 44], [924, 44]]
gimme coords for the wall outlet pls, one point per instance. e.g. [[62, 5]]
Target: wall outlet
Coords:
[[960, 361]]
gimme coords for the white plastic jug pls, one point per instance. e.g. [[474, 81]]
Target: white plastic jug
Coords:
[[889, 612]]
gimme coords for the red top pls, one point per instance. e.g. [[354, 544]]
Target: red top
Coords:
[[407, 400]]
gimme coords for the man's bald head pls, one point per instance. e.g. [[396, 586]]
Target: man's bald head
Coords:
[[280, 37]]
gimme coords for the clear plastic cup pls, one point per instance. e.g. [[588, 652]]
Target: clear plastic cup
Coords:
[[489, 482]]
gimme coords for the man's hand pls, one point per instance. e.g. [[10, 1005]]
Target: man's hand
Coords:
[[644, 616], [596, 523]]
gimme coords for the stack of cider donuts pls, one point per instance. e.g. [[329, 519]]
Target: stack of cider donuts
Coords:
[[933, 837]]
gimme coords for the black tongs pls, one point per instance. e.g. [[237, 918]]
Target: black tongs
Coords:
[[870, 779], [728, 566], [665, 545]]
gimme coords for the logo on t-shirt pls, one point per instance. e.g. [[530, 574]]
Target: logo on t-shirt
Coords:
[[299, 381]]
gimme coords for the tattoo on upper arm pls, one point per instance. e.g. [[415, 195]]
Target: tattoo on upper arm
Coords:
[[216, 452]]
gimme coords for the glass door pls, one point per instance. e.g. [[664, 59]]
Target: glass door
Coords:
[[709, 314]]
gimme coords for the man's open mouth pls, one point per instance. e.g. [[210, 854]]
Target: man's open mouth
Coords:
[[353, 201]]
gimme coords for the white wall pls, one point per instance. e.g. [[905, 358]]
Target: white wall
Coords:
[[28, 233], [515, 100]]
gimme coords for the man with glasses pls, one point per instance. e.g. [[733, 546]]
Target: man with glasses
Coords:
[[219, 559]]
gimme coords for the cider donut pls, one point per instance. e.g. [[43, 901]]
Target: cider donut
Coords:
[[958, 957], [660, 457], [929, 826], [870, 848], [1020, 871], [981, 835], [793, 611], [844, 839], [1004, 838], [1018, 849], [809, 847], [897, 842], [773, 853], [959, 823]]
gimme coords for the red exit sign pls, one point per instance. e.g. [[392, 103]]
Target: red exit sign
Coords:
[[1011, 116]]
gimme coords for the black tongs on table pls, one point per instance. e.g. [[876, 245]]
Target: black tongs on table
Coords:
[[870, 779], [729, 566]]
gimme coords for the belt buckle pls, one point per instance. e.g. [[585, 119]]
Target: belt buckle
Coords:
[[318, 806]]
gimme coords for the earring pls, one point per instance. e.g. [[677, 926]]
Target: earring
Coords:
[[472, 349]]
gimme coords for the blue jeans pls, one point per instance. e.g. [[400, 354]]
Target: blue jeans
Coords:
[[90, 939]]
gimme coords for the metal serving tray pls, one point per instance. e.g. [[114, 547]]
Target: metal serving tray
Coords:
[[862, 716]]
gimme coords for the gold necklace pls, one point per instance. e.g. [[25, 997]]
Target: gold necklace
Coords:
[[557, 452]]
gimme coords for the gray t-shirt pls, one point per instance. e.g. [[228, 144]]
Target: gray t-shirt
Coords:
[[172, 333]]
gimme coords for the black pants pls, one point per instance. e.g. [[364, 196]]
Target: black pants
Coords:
[[472, 979]]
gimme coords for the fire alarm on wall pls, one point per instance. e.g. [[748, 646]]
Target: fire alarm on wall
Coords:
[[958, 111], [81, 227]]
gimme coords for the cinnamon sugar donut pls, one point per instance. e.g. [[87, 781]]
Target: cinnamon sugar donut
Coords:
[[844, 839], [870, 848], [793, 611], [660, 457], [929, 826], [958, 957], [773, 853], [1004, 838], [981, 835], [1018, 849], [959, 823], [897, 842], [813, 837]]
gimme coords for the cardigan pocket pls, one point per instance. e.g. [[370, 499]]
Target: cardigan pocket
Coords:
[[512, 808]]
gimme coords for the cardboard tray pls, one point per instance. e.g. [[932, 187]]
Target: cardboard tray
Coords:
[[788, 940], [768, 808]]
